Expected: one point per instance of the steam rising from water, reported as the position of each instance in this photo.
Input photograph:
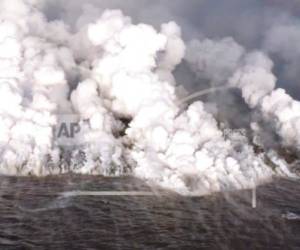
(117, 78)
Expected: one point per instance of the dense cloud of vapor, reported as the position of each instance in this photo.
(252, 23)
(117, 78)
(252, 74)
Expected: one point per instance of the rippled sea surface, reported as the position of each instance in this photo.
(34, 215)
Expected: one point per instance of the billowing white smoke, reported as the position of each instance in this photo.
(252, 74)
(117, 79)
(33, 87)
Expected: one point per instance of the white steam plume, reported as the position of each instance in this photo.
(116, 78)
(252, 74)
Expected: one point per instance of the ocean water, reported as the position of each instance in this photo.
(37, 213)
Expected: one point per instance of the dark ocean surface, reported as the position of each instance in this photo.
(34, 214)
